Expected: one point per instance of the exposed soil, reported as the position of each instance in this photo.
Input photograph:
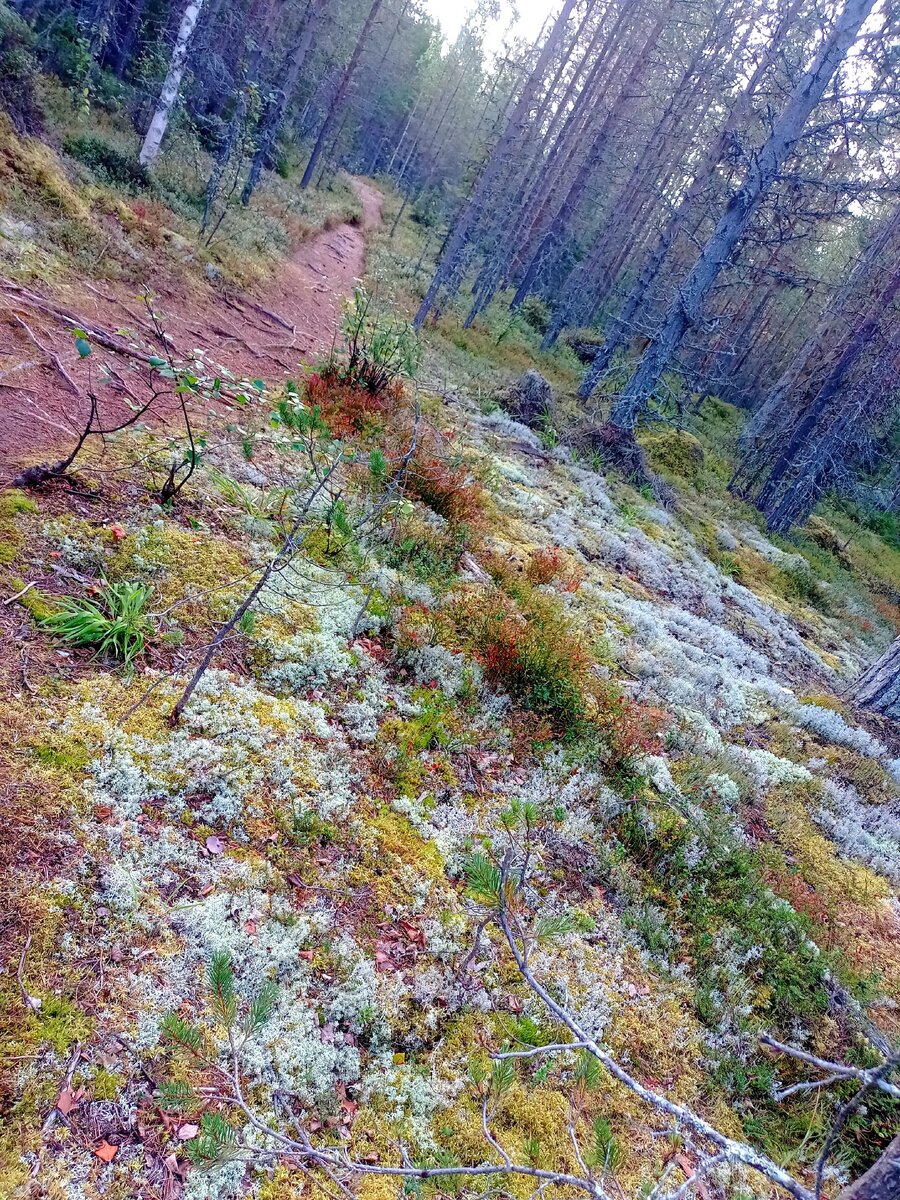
(262, 334)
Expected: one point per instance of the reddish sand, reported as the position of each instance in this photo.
(39, 408)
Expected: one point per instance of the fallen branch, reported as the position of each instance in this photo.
(51, 354)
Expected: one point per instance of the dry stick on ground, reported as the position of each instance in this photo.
(289, 547)
(276, 563)
(51, 354)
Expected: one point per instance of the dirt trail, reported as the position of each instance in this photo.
(265, 333)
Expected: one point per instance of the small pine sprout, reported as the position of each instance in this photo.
(587, 1073)
(532, 1148)
(555, 925)
(178, 1031)
(606, 1152)
(377, 466)
(485, 879)
(261, 1009)
(478, 1069)
(176, 1096)
(220, 978)
(503, 1076)
(214, 1143)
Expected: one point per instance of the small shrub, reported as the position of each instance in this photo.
(536, 313)
(19, 74)
(379, 351)
(554, 566)
(116, 625)
(446, 486)
(108, 163)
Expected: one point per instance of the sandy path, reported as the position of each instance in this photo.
(303, 303)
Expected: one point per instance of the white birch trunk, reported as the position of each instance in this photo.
(169, 94)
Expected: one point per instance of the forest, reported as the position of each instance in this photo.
(450, 600)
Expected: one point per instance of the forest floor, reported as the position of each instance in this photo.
(502, 649)
(291, 317)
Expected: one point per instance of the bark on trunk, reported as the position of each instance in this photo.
(879, 688)
(169, 94)
(337, 104)
(731, 227)
(515, 128)
(881, 1181)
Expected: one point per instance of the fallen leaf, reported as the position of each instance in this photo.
(206, 889)
(307, 954)
(118, 532)
(66, 1101)
(188, 1131)
(215, 845)
(106, 1152)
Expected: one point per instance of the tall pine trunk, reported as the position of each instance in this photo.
(764, 168)
(456, 243)
(337, 104)
(275, 115)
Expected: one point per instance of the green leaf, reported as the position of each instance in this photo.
(485, 879)
(155, 361)
(259, 385)
(83, 346)
(220, 978)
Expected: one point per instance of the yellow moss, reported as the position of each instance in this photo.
(836, 879)
(36, 168)
(12, 504)
(378, 1187)
(674, 452)
(397, 836)
(179, 562)
(823, 700)
(282, 1184)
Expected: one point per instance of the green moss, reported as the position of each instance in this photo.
(58, 1023)
(13, 504)
(105, 1084)
(69, 756)
(34, 601)
(674, 452)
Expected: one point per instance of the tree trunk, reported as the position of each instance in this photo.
(882, 1180)
(337, 103)
(685, 309)
(878, 688)
(594, 160)
(275, 115)
(515, 128)
(169, 94)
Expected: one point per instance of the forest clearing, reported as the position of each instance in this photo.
(449, 601)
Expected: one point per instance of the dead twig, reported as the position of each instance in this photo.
(20, 593)
(51, 354)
